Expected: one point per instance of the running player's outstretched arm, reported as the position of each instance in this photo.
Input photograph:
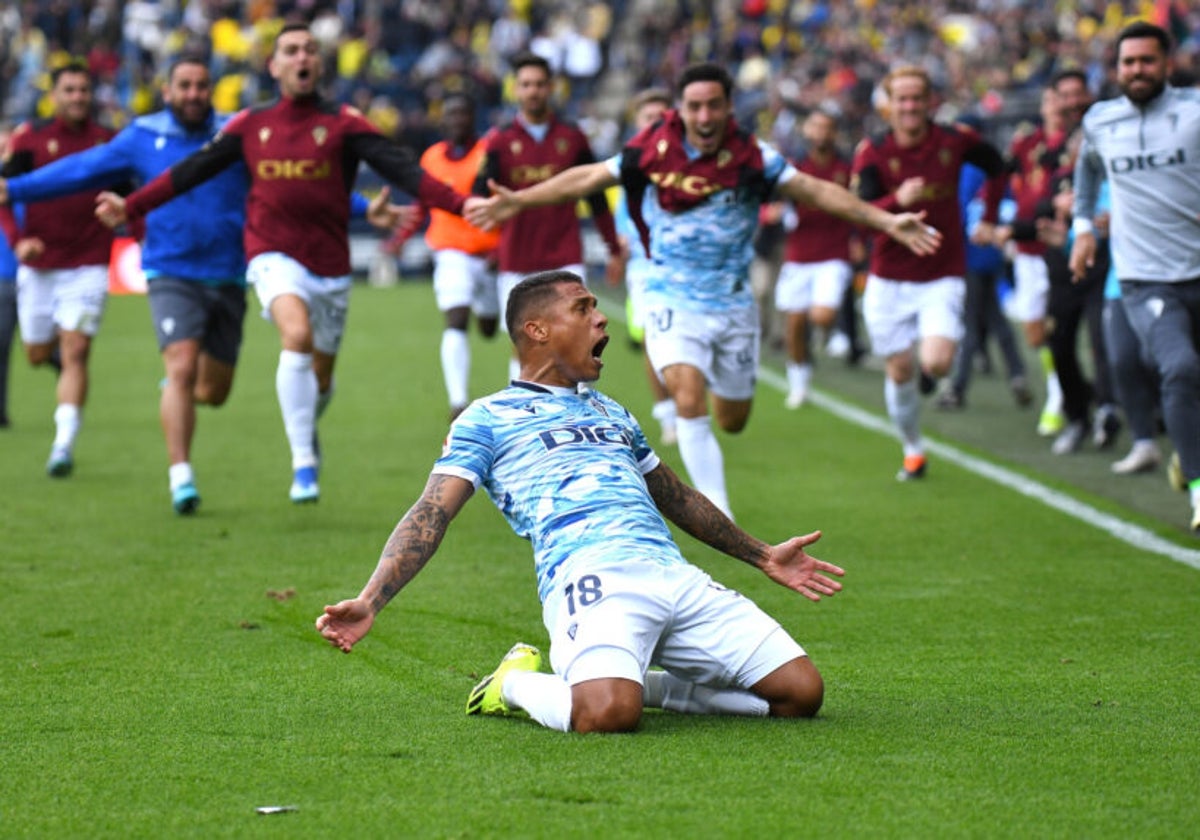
(908, 229)
(787, 563)
(413, 541)
(569, 185)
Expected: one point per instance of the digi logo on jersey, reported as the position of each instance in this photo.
(1137, 163)
(292, 170)
(602, 435)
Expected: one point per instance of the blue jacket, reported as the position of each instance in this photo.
(981, 259)
(197, 236)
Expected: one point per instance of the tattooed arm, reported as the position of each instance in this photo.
(408, 549)
(786, 563)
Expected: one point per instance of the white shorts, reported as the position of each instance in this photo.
(462, 279)
(899, 313)
(1031, 288)
(617, 621)
(506, 281)
(802, 286)
(724, 346)
(327, 298)
(68, 299)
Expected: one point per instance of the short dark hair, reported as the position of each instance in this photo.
(706, 71)
(73, 67)
(530, 59)
(531, 295)
(1142, 29)
(289, 27)
(1070, 73)
(185, 58)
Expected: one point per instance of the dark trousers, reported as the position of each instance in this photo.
(982, 318)
(1070, 304)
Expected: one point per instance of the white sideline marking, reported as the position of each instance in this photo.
(1134, 535)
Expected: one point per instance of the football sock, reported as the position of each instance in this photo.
(664, 413)
(799, 375)
(702, 457)
(904, 407)
(545, 697)
(66, 425)
(456, 365)
(180, 474)
(666, 691)
(1054, 395)
(296, 385)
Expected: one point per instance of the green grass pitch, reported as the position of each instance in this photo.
(993, 668)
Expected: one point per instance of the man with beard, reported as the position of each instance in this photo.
(62, 281)
(196, 273)
(1147, 143)
(302, 155)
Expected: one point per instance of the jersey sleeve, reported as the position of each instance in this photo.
(469, 448)
(213, 157)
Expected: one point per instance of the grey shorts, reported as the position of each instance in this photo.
(212, 315)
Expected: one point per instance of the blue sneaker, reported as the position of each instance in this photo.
(185, 499)
(304, 486)
(60, 463)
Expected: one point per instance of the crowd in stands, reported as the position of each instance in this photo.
(395, 61)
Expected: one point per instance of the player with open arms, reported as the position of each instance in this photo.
(917, 299)
(709, 178)
(572, 472)
(302, 154)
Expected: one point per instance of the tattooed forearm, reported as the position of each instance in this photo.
(696, 515)
(415, 539)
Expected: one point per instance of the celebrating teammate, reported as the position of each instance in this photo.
(709, 178)
(302, 154)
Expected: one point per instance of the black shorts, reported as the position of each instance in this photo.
(212, 315)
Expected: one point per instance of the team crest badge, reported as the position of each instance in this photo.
(319, 134)
(561, 146)
(661, 147)
(894, 165)
(264, 134)
(52, 147)
(723, 158)
(944, 157)
(516, 147)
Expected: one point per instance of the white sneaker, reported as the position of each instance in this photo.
(795, 399)
(1143, 457)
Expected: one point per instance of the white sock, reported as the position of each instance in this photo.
(664, 413)
(180, 474)
(702, 457)
(67, 419)
(514, 369)
(904, 407)
(296, 385)
(456, 365)
(666, 691)
(799, 375)
(546, 697)
(324, 398)
(1054, 394)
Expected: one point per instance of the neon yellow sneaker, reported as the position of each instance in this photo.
(485, 698)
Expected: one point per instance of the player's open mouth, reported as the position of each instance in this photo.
(598, 348)
(303, 75)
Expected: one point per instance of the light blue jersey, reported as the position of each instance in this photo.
(702, 255)
(565, 469)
